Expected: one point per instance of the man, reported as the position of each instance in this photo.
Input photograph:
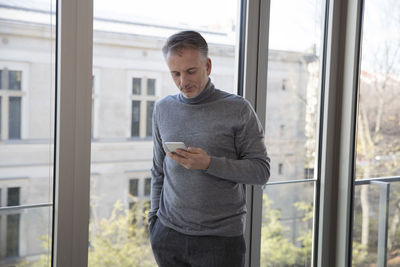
(198, 201)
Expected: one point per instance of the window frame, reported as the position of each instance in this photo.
(337, 126)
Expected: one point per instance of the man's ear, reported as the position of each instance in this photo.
(209, 66)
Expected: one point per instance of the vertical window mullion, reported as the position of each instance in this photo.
(338, 134)
(255, 84)
(73, 133)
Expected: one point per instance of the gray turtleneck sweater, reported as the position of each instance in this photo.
(212, 201)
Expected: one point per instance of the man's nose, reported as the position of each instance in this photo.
(183, 80)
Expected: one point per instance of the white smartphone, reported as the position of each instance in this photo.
(173, 146)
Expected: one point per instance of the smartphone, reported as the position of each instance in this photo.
(173, 146)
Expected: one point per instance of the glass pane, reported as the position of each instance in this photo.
(14, 120)
(293, 87)
(14, 80)
(291, 134)
(149, 114)
(133, 76)
(27, 242)
(147, 186)
(12, 243)
(287, 225)
(27, 80)
(134, 187)
(135, 118)
(1, 118)
(151, 86)
(378, 121)
(370, 225)
(13, 196)
(378, 136)
(136, 86)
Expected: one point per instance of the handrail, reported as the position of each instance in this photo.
(291, 182)
(20, 207)
(379, 179)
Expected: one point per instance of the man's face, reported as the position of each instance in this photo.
(189, 70)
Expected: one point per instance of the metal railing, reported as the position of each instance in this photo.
(8, 209)
(384, 198)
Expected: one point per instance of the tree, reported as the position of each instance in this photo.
(120, 240)
(277, 250)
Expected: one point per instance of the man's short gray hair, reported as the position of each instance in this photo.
(186, 39)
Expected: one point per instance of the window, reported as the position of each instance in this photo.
(147, 186)
(13, 221)
(127, 40)
(27, 101)
(134, 187)
(284, 84)
(292, 89)
(10, 235)
(143, 95)
(376, 209)
(282, 129)
(11, 95)
(280, 169)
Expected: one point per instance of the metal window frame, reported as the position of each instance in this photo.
(74, 96)
(255, 32)
(74, 51)
(338, 133)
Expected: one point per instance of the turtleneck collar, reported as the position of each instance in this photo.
(202, 97)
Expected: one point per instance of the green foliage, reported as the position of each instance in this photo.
(277, 250)
(121, 240)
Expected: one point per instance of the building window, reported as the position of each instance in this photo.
(11, 222)
(309, 173)
(135, 129)
(11, 94)
(282, 129)
(284, 84)
(143, 97)
(280, 168)
(147, 186)
(134, 187)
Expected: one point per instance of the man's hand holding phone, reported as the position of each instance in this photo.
(191, 158)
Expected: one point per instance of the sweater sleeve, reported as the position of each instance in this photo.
(157, 173)
(253, 164)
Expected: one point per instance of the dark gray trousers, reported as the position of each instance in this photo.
(173, 249)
